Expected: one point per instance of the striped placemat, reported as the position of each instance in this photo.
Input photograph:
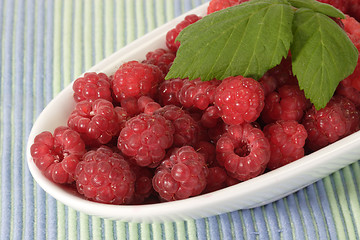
(44, 46)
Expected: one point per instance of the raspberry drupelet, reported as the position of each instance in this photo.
(173, 33)
(97, 122)
(186, 128)
(287, 140)
(239, 100)
(197, 93)
(168, 91)
(57, 155)
(162, 58)
(105, 176)
(146, 138)
(182, 175)
(135, 79)
(244, 151)
(336, 120)
(92, 86)
(286, 103)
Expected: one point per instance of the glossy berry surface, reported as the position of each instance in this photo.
(57, 154)
(92, 86)
(145, 138)
(135, 79)
(239, 100)
(244, 151)
(287, 140)
(98, 122)
(104, 176)
(182, 175)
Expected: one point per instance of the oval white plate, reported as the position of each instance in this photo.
(252, 193)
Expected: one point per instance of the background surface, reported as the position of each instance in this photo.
(44, 46)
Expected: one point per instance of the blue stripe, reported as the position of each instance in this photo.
(18, 123)
(292, 201)
(225, 226)
(272, 221)
(235, 217)
(7, 113)
(201, 228)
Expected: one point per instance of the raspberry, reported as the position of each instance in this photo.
(217, 5)
(287, 140)
(197, 93)
(186, 128)
(145, 138)
(239, 100)
(351, 113)
(352, 28)
(134, 79)
(287, 103)
(57, 155)
(97, 122)
(168, 91)
(92, 86)
(353, 8)
(182, 175)
(210, 117)
(216, 179)
(143, 183)
(349, 92)
(208, 150)
(173, 33)
(330, 123)
(161, 58)
(147, 105)
(105, 176)
(244, 151)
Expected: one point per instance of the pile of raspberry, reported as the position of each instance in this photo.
(135, 138)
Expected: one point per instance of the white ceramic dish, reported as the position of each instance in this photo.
(255, 192)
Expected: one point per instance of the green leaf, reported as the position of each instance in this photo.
(318, 7)
(322, 55)
(247, 40)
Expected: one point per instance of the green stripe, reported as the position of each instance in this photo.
(67, 42)
(161, 14)
(72, 224)
(180, 230)
(61, 220)
(78, 39)
(191, 229)
(97, 35)
(169, 230)
(156, 231)
(96, 227)
(109, 229)
(57, 48)
(120, 24)
(322, 210)
(84, 226)
(352, 195)
(344, 205)
(133, 231)
(120, 230)
(145, 231)
(130, 24)
(265, 219)
(140, 20)
(150, 15)
(334, 208)
(109, 28)
(88, 15)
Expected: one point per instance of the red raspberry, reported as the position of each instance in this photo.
(182, 175)
(287, 140)
(216, 179)
(239, 100)
(210, 117)
(134, 79)
(287, 103)
(92, 86)
(105, 176)
(349, 92)
(97, 122)
(186, 128)
(145, 138)
(217, 5)
(143, 183)
(57, 155)
(330, 123)
(161, 58)
(244, 151)
(168, 91)
(197, 93)
(173, 33)
(352, 28)
(353, 8)
(351, 113)
(147, 105)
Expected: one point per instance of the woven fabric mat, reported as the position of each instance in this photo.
(47, 44)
